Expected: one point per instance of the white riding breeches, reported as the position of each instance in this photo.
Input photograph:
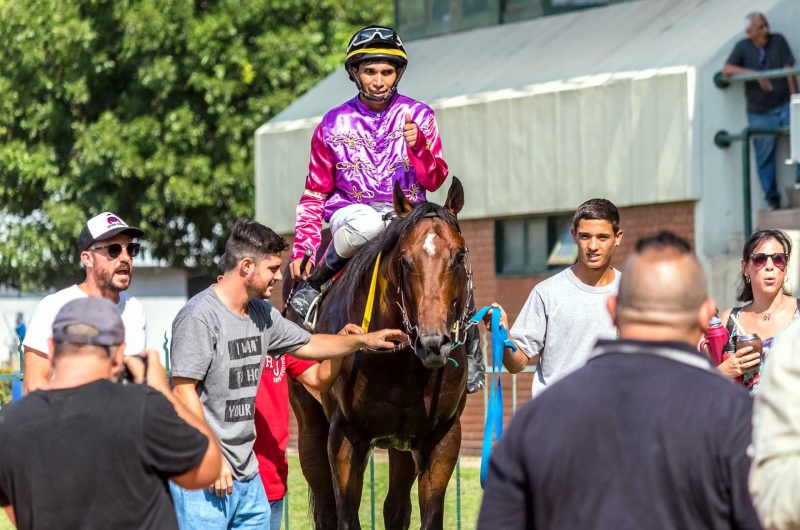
(354, 225)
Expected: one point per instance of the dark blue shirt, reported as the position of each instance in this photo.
(632, 440)
(776, 54)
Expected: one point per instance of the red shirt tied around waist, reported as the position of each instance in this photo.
(272, 422)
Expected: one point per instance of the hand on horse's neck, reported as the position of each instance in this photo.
(594, 277)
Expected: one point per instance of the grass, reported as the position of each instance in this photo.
(298, 498)
(471, 494)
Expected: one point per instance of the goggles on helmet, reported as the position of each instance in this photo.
(368, 34)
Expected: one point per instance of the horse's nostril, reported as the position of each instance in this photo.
(432, 341)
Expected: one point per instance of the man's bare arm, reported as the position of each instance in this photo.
(185, 391)
(732, 69)
(37, 369)
(322, 376)
(515, 361)
(322, 347)
(10, 513)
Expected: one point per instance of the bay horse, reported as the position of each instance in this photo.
(408, 401)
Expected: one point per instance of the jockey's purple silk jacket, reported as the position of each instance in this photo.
(356, 157)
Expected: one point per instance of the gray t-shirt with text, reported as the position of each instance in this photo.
(561, 321)
(225, 352)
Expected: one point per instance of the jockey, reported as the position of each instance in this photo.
(358, 151)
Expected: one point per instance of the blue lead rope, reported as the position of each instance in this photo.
(493, 429)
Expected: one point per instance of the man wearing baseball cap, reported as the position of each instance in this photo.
(87, 452)
(107, 251)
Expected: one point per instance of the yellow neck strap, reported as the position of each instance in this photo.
(371, 295)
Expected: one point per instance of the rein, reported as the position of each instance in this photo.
(493, 429)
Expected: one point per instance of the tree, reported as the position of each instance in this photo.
(147, 108)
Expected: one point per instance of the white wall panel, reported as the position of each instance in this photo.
(619, 159)
(644, 147)
(673, 137)
(594, 142)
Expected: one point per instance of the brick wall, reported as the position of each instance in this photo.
(512, 292)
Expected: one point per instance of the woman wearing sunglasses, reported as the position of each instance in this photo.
(770, 309)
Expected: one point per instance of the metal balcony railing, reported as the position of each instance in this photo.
(724, 81)
(723, 139)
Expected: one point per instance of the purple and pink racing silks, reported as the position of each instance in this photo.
(356, 157)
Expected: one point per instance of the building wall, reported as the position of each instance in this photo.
(512, 292)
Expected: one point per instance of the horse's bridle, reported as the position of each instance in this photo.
(460, 326)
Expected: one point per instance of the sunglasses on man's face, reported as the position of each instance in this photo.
(115, 250)
(779, 259)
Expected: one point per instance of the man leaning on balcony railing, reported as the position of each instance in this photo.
(767, 99)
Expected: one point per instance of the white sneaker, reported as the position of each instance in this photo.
(797, 185)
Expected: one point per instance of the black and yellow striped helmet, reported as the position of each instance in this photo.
(375, 42)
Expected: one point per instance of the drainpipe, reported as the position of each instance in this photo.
(723, 139)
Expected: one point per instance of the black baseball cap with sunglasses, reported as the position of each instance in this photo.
(103, 227)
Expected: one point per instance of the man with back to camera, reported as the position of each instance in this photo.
(767, 99)
(219, 343)
(565, 314)
(86, 452)
(107, 251)
(648, 434)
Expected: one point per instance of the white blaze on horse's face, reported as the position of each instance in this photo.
(428, 246)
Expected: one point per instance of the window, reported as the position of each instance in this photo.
(416, 19)
(534, 245)
(422, 18)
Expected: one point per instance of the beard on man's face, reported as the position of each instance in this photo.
(258, 287)
(115, 280)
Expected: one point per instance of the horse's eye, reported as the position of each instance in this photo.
(460, 258)
(406, 263)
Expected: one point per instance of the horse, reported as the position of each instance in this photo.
(408, 401)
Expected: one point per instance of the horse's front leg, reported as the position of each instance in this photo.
(348, 454)
(438, 466)
(397, 506)
(312, 443)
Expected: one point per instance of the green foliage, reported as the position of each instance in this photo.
(147, 108)
(5, 388)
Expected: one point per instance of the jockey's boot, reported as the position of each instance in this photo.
(476, 369)
(322, 273)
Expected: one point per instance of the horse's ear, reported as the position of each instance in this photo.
(401, 204)
(455, 197)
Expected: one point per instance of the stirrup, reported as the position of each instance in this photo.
(310, 320)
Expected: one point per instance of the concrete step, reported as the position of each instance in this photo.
(793, 196)
(785, 219)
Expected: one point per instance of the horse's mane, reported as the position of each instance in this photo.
(364, 261)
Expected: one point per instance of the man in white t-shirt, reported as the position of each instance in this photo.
(107, 251)
(566, 314)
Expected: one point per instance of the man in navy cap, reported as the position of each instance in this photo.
(84, 451)
(107, 251)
